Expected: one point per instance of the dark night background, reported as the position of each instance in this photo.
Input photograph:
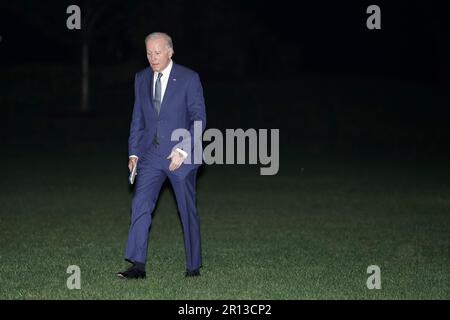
(364, 119)
(312, 69)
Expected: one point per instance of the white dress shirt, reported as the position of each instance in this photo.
(164, 79)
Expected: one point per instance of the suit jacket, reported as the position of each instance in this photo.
(182, 104)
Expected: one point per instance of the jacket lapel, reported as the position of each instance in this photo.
(170, 89)
(148, 89)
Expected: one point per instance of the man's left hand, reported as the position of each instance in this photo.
(177, 160)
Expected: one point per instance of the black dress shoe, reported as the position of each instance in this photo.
(192, 273)
(132, 273)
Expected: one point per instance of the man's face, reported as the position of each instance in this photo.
(158, 54)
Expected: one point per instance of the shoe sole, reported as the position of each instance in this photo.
(121, 276)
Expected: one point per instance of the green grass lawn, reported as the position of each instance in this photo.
(302, 234)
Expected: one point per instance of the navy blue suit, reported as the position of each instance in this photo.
(182, 104)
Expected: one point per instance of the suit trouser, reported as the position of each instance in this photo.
(152, 172)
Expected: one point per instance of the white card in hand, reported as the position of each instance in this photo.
(132, 174)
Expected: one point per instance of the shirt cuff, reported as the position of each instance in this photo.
(133, 156)
(183, 153)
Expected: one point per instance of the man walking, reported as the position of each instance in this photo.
(168, 96)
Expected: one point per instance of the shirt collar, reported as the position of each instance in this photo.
(165, 72)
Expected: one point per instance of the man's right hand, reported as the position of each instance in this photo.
(132, 162)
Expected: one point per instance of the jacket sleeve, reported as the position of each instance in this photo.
(197, 115)
(137, 126)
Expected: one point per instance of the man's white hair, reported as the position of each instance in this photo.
(155, 35)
